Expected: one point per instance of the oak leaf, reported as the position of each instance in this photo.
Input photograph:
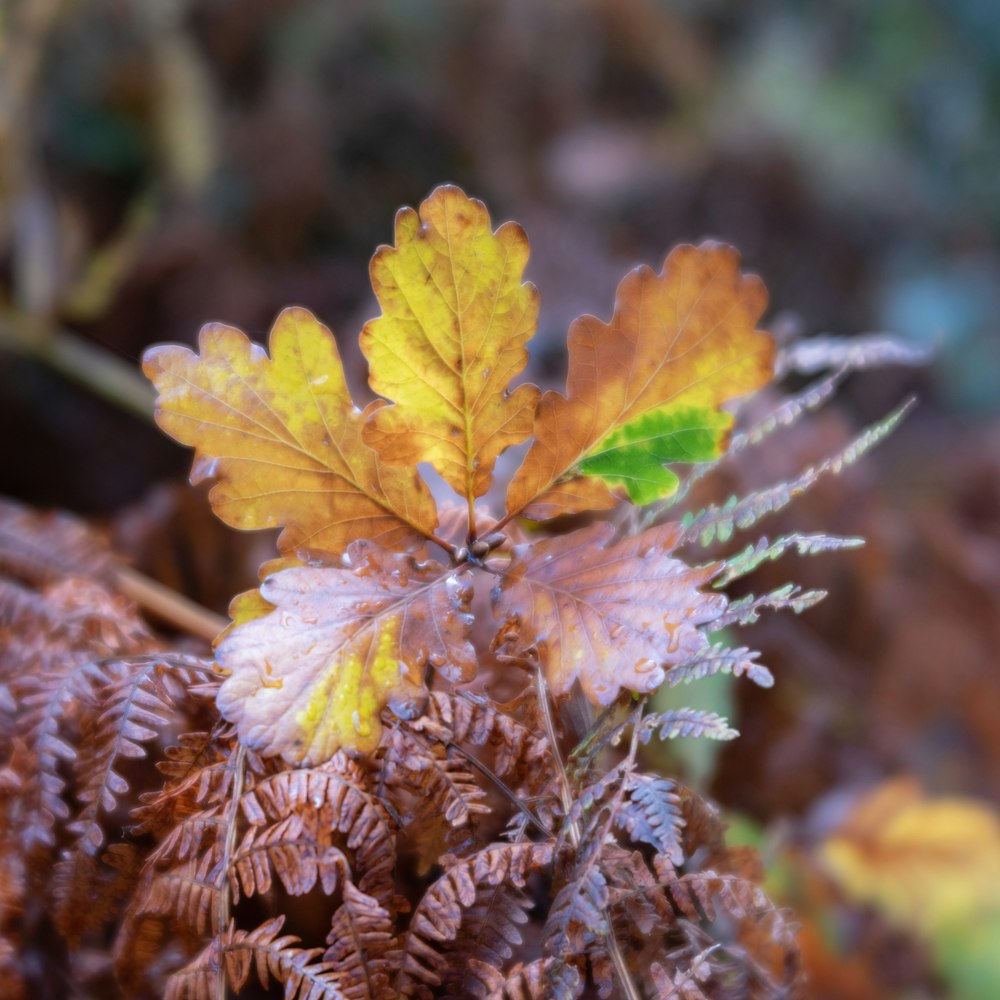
(455, 320)
(343, 642)
(284, 439)
(646, 389)
(609, 615)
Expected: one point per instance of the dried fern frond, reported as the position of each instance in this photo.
(363, 947)
(521, 754)
(198, 775)
(577, 917)
(719, 658)
(685, 722)
(683, 984)
(291, 851)
(465, 927)
(872, 350)
(548, 978)
(651, 814)
(719, 522)
(430, 787)
(762, 551)
(41, 548)
(138, 699)
(747, 610)
(261, 951)
(332, 800)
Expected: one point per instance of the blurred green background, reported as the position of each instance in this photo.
(163, 164)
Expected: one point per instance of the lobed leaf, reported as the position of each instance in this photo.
(284, 439)
(646, 389)
(610, 616)
(455, 320)
(343, 642)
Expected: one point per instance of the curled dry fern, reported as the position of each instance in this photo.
(344, 807)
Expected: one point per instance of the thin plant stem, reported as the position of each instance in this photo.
(225, 900)
(95, 368)
(566, 797)
(502, 787)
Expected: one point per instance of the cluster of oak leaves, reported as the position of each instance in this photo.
(353, 740)
(353, 614)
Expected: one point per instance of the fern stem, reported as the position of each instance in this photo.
(166, 604)
(225, 897)
(566, 798)
(502, 786)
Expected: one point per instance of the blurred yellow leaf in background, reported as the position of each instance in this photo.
(928, 863)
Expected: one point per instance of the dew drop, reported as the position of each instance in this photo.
(326, 442)
(645, 666)
(615, 630)
(319, 380)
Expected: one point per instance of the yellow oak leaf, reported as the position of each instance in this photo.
(646, 389)
(609, 615)
(339, 644)
(929, 863)
(455, 320)
(284, 439)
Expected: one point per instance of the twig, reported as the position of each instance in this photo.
(168, 605)
(93, 367)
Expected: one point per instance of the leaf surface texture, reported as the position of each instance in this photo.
(342, 643)
(284, 439)
(646, 389)
(455, 320)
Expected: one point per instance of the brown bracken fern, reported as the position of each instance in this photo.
(413, 767)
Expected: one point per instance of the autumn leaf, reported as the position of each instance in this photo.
(609, 615)
(284, 439)
(340, 644)
(929, 863)
(455, 320)
(646, 390)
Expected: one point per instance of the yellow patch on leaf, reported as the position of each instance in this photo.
(929, 863)
(455, 320)
(341, 643)
(680, 344)
(284, 439)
